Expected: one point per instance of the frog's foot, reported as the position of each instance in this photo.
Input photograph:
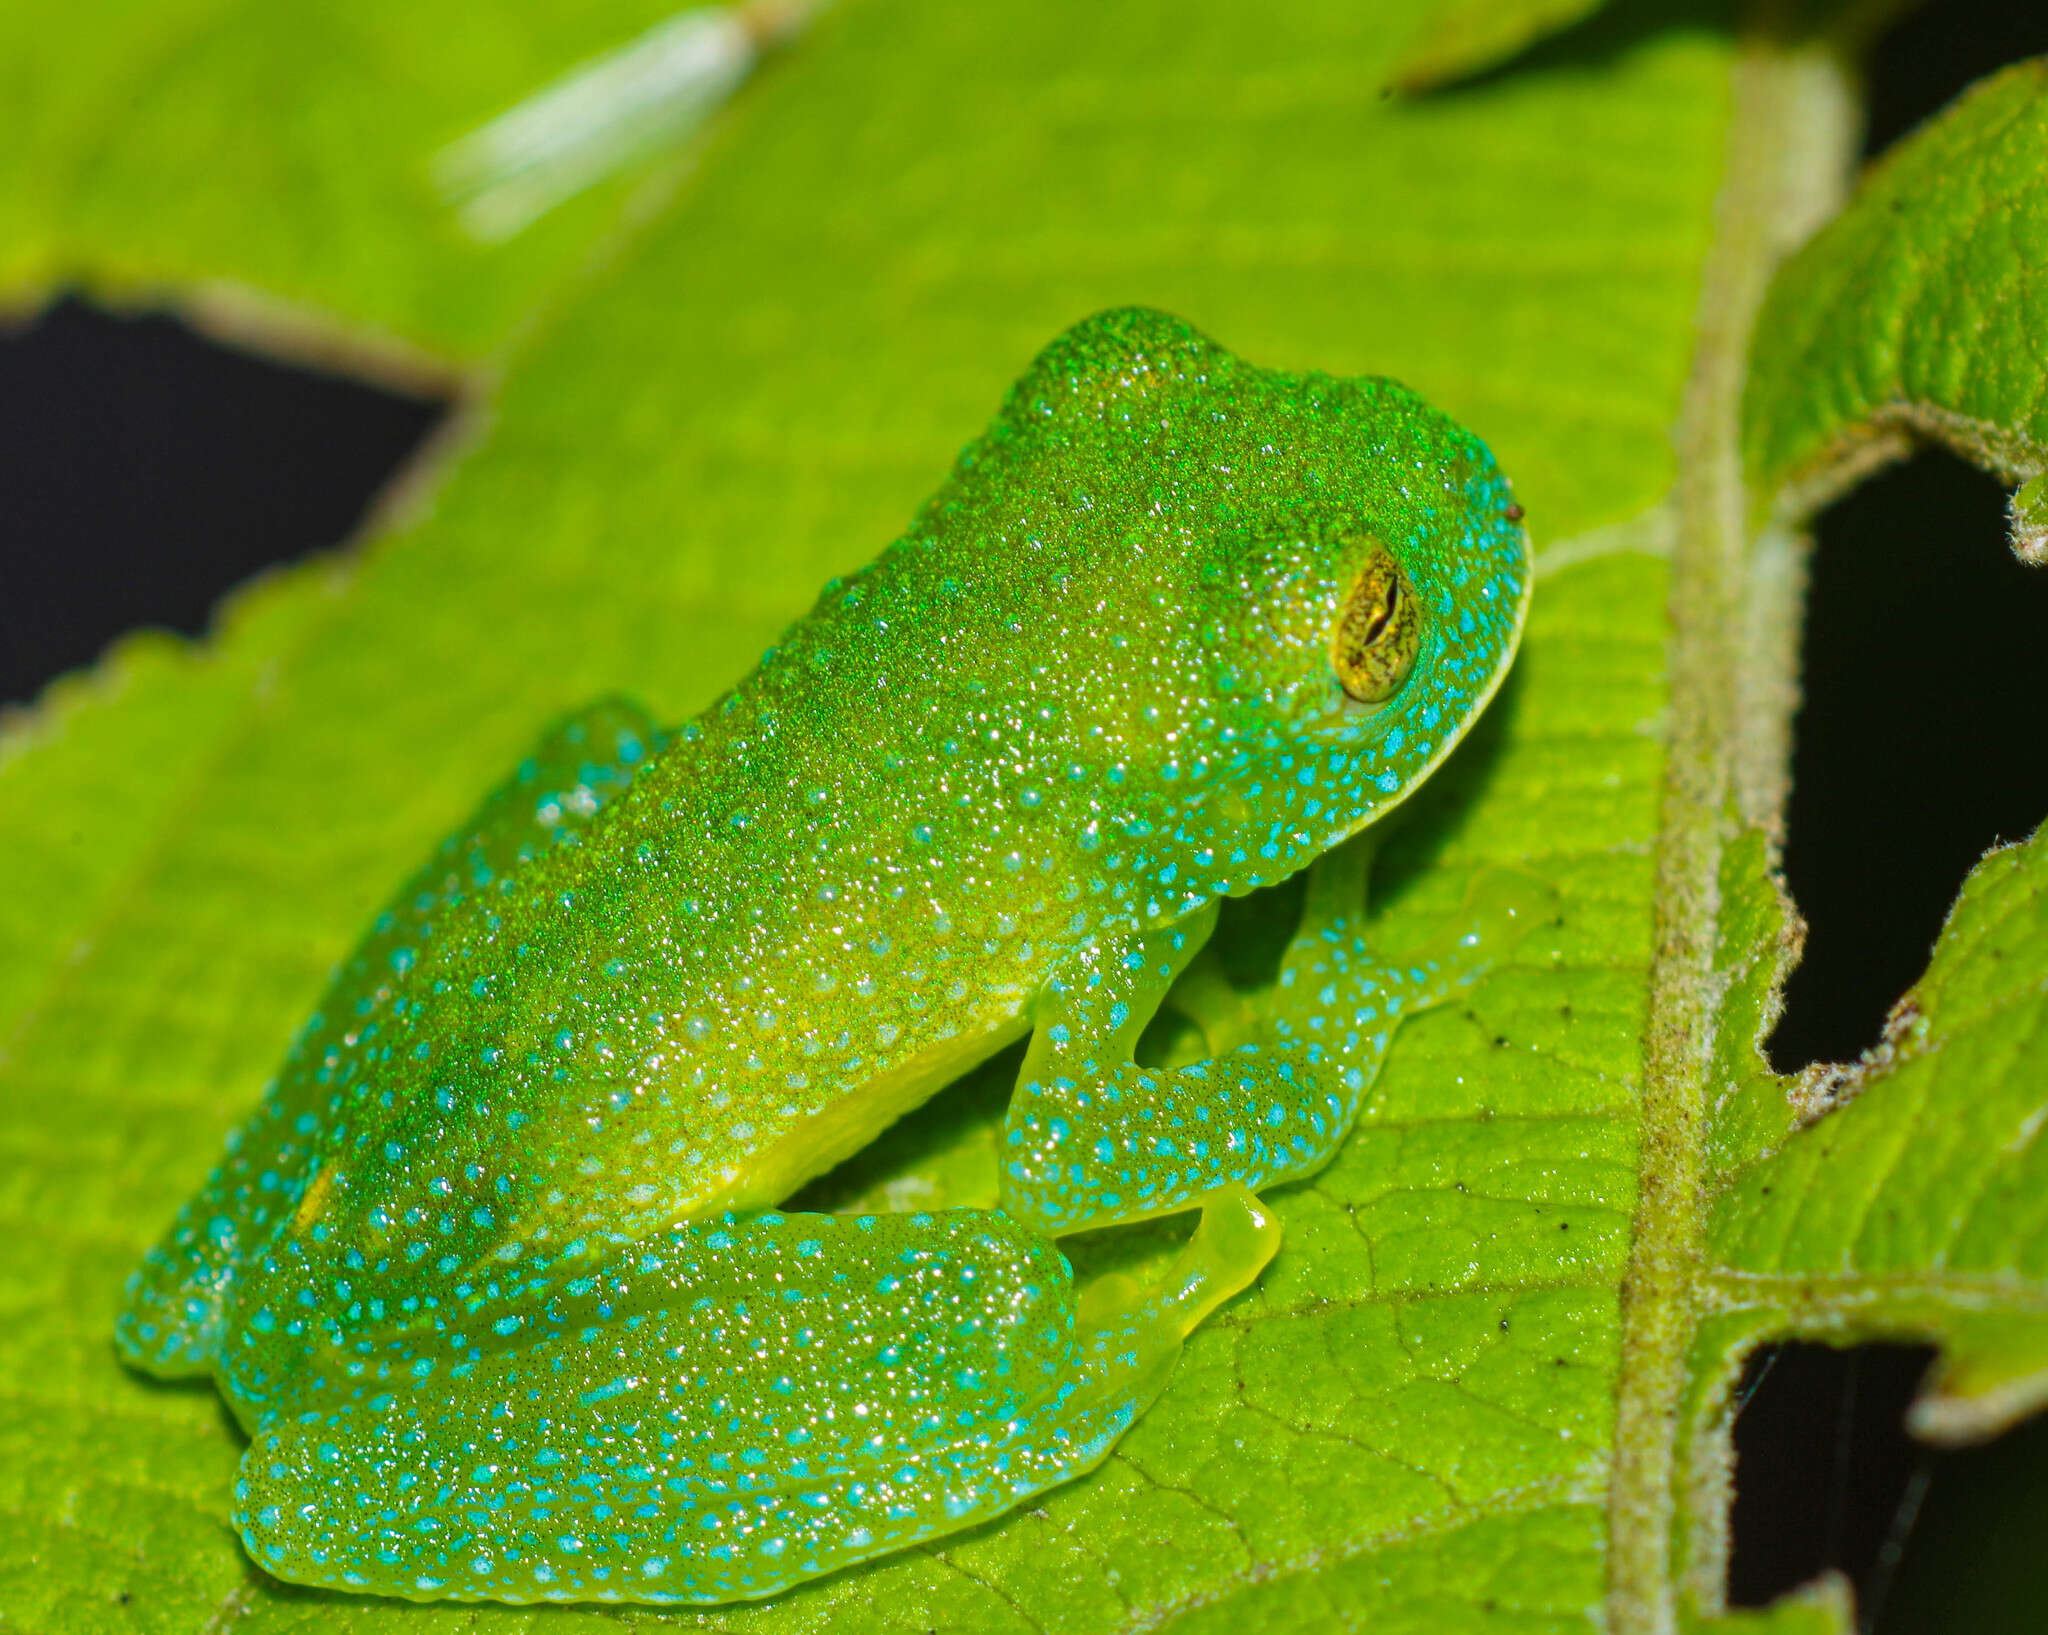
(719, 1412)
(1335, 992)
(171, 1315)
(1093, 1139)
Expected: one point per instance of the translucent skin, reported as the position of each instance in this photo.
(488, 1276)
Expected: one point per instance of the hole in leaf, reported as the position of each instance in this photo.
(1934, 52)
(1822, 1461)
(1933, 1540)
(1918, 742)
(1974, 1560)
(149, 470)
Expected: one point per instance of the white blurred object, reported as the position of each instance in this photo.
(650, 93)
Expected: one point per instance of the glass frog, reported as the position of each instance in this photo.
(495, 1276)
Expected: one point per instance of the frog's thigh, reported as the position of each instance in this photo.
(716, 1413)
(170, 1320)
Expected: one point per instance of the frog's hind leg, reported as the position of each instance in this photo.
(722, 1411)
(1093, 1139)
(172, 1311)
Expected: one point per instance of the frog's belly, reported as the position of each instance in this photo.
(836, 1132)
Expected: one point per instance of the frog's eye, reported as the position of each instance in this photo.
(1378, 631)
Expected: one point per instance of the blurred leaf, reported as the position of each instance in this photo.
(217, 150)
(1820, 1609)
(1466, 36)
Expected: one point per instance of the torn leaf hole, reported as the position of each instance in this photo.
(1925, 677)
(1931, 1540)
(150, 470)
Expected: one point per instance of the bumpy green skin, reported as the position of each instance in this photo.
(493, 1276)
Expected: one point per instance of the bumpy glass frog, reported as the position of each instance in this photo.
(495, 1276)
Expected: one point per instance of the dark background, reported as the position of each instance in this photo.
(150, 470)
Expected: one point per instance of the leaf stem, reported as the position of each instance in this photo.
(1788, 125)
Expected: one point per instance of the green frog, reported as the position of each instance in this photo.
(497, 1278)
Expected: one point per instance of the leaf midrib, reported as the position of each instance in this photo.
(1788, 106)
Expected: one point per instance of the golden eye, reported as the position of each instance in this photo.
(1378, 631)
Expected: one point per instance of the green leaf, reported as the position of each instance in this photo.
(1912, 315)
(1907, 1205)
(1485, 1385)
(272, 163)
(1916, 1203)
(1466, 36)
(1821, 1608)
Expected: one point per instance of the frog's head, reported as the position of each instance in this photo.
(1325, 577)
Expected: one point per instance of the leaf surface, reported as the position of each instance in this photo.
(1915, 313)
(272, 164)
(1910, 1203)
(697, 410)
(1919, 1207)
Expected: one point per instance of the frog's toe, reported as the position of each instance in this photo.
(1235, 1238)
(1503, 906)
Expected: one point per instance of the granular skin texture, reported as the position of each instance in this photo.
(494, 1275)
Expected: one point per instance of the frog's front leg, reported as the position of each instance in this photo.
(719, 1411)
(1094, 1139)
